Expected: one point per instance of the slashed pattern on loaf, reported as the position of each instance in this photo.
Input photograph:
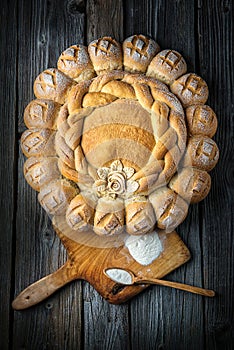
(119, 137)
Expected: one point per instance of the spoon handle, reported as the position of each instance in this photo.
(182, 286)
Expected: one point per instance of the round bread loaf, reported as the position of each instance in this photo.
(140, 218)
(56, 196)
(41, 114)
(126, 150)
(191, 184)
(138, 53)
(40, 171)
(105, 54)
(80, 212)
(201, 120)
(168, 65)
(109, 217)
(202, 153)
(52, 84)
(170, 209)
(190, 89)
(38, 142)
(76, 64)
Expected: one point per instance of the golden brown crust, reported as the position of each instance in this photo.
(167, 66)
(105, 54)
(140, 218)
(202, 153)
(109, 217)
(148, 177)
(99, 82)
(142, 79)
(201, 120)
(39, 171)
(38, 143)
(76, 96)
(119, 89)
(53, 85)
(64, 152)
(41, 114)
(191, 184)
(73, 175)
(76, 64)
(138, 53)
(56, 196)
(80, 212)
(170, 209)
(119, 129)
(62, 124)
(97, 99)
(190, 89)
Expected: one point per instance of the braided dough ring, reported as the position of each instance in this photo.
(119, 137)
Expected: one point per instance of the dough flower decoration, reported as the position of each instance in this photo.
(115, 181)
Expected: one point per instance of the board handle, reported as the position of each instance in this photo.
(46, 286)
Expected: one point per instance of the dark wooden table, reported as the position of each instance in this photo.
(33, 34)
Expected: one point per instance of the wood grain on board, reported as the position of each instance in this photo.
(90, 255)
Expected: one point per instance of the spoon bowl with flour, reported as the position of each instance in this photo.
(127, 277)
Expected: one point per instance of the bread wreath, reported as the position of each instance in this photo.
(156, 195)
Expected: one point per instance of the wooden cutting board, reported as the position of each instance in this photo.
(89, 255)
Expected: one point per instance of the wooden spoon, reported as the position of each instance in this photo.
(126, 277)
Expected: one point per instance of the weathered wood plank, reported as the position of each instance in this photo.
(104, 18)
(215, 28)
(165, 318)
(139, 17)
(45, 30)
(8, 160)
(160, 317)
(105, 326)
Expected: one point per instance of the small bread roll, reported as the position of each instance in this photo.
(191, 184)
(190, 89)
(138, 53)
(201, 120)
(38, 142)
(41, 114)
(170, 209)
(80, 212)
(167, 66)
(39, 171)
(75, 63)
(202, 153)
(105, 54)
(56, 196)
(53, 85)
(140, 217)
(109, 217)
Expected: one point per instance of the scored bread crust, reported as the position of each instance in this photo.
(128, 147)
